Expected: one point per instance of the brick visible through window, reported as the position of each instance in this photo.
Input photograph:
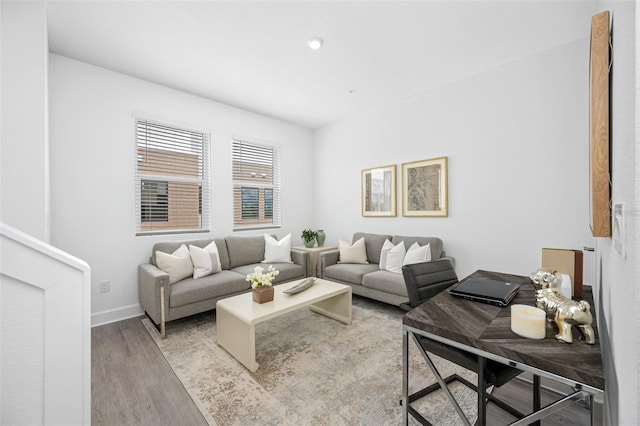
(172, 179)
(256, 185)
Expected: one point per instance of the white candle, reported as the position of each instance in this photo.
(528, 321)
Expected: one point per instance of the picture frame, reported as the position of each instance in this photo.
(424, 188)
(378, 189)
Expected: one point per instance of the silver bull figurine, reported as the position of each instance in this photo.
(565, 312)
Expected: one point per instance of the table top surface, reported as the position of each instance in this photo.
(487, 328)
(316, 248)
(243, 306)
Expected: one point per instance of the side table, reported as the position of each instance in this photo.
(314, 255)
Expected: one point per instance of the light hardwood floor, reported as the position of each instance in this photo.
(132, 384)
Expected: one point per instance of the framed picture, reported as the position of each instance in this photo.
(424, 187)
(379, 191)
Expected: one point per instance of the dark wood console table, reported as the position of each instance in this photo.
(485, 330)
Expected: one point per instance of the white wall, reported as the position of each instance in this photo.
(24, 171)
(92, 171)
(618, 284)
(517, 141)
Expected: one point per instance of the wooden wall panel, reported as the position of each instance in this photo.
(599, 126)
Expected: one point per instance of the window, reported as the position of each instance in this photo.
(250, 203)
(268, 203)
(172, 179)
(256, 185)
(154, 205)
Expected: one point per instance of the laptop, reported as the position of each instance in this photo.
(486, 291)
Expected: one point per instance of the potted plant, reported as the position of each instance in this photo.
(261, 283)
(309, 237)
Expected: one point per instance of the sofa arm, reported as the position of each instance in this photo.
(301, 258)
(328, 258)
(152, 282)
(449, 258)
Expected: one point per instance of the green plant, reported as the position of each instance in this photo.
(309, 235)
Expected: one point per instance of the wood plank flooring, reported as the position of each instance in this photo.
(132, 384)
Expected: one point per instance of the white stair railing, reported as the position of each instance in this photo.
(45, 321)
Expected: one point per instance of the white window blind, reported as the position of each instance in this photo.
(256, 185)
(172, 179)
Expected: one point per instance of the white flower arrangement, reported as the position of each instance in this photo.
(259, 279)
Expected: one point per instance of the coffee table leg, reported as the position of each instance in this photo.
(237, 337)
(337, 307)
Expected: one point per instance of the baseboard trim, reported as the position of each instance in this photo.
(113, 315)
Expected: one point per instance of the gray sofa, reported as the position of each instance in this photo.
(239, 255)
(368, 279)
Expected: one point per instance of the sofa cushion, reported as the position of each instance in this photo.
(352, 253)
(245, 250)
(434, 242)
(287, 271)
(373, 244)
(277, 251)
(349, 272)
(217, 285)
(171, 246)
(386, 281)
(417, 254)
(206, 261)
(388, 245)
(177, 264)
(395, 258)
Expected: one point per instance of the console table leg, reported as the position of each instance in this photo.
(405, 378)
(441, 381)
(482, 392)
(536, 397)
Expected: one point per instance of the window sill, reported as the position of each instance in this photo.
(172, 232)
(254, 227)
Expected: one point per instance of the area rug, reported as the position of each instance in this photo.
(313, 371)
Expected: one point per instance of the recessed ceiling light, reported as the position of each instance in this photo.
(315, 43)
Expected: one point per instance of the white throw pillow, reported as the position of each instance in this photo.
(395, 257)
(206, 261)
(356, 253)
(277, 251)
(417, 254)
(178, 264)
(388, 245)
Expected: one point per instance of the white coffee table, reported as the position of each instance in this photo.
(237, 316)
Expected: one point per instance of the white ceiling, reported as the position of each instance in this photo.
(253, 55)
